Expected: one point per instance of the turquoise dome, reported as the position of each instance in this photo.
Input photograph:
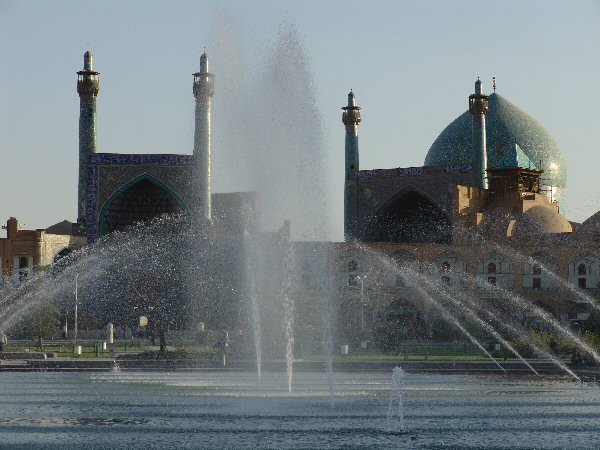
(506, 125)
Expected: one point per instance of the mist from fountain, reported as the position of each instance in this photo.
(146, 248)
(268, 139)
(268, 134)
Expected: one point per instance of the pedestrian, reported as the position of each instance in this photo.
(3, 343)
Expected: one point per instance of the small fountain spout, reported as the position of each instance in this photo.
(395, 414)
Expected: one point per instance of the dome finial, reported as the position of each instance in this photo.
(494, 83)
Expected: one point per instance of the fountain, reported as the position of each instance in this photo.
(395, 414)
(290, 288)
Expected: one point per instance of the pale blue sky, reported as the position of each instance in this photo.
(411, 64)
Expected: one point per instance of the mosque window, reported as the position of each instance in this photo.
(537, 283)
(491, 268)
(581, 269)
(492, 281)
(582, 283)
(537, 270)
(23, 262)
(445, 267)
(352, 266)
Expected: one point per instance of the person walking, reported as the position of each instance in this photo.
(3, 344)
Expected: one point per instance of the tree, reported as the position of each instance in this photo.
(42, 321)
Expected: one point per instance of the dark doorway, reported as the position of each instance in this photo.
(410, 218)
(142, 201)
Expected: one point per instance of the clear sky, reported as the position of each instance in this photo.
(412, 65)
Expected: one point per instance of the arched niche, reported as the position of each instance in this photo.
(449, 270)
(410, 217)
(402, 269)
(140, 200)
(584, 271)
(496, 269)
(356, 270)
(538, 272)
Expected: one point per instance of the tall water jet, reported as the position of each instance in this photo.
(252, 294)
(287, 297)
(328, 321)
(273, 130)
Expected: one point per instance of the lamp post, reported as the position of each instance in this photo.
(76, 301)
(362, 301)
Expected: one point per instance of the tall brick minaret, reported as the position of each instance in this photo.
(351, 118)
(88, 85)
(203, 92)
(478, 105)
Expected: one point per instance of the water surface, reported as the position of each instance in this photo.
(223, 409)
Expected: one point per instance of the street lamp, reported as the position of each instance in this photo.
(76, 301)
(362, 279)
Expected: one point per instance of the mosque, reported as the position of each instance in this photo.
(485, 205)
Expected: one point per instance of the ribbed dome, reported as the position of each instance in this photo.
(539, 220)
(506, 125)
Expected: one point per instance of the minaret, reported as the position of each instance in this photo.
(88, 85)
(351, 118)
(203, 91)
(478, 106)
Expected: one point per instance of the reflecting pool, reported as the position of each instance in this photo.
(228, 409)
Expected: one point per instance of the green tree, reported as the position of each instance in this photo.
(42, 321)
(593, 324)
(591, 330)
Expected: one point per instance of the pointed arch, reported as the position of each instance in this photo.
(410, 216)
(449, 269)
(537, 272)
(142, 198)
(496, 269)
(404, 267)
(584, 271)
